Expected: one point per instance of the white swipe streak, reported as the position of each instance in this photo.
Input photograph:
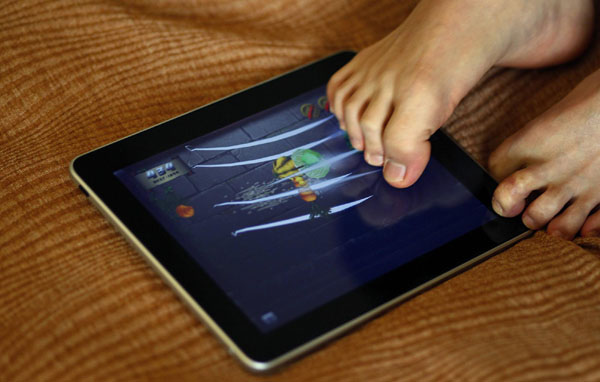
(286, 194)
(272, 157)
(276, 138)
(321, 164)
(313, 187)
(299, 219)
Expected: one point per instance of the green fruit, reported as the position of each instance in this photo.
(308, 157)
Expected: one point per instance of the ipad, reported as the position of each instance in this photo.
(261, 216)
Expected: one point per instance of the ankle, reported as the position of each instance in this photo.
(549, 32)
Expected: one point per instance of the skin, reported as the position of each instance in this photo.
(557, 154)
(397, 92)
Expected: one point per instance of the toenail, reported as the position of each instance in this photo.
(394, 171)
(375, 159)
(497, 207)
(558, 234)
(529, 222)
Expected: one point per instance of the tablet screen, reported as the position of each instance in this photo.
(285, 216)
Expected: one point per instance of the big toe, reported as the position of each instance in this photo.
(503, 160)
(403, 167)
(510, 196)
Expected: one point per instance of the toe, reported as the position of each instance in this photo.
(406, 148)
(340, 97)
(546, 206)
(591, 227)
(371, 124)
(509, 197)
(568, 223)
(356, 138)
(353, 108)
(336, 81)
(503, 162)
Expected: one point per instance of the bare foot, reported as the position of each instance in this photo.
(396, 93)
(557, 154)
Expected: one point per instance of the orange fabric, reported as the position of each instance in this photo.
(77, 303)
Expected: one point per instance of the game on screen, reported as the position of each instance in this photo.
(285, 215)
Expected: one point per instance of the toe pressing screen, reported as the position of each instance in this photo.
(285, 215)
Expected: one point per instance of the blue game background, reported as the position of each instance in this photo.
(275, 275)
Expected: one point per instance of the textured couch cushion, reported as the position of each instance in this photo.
(76, 302)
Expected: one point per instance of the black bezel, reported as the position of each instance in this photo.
(96, 170)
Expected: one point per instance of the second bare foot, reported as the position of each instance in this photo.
(558, 156)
